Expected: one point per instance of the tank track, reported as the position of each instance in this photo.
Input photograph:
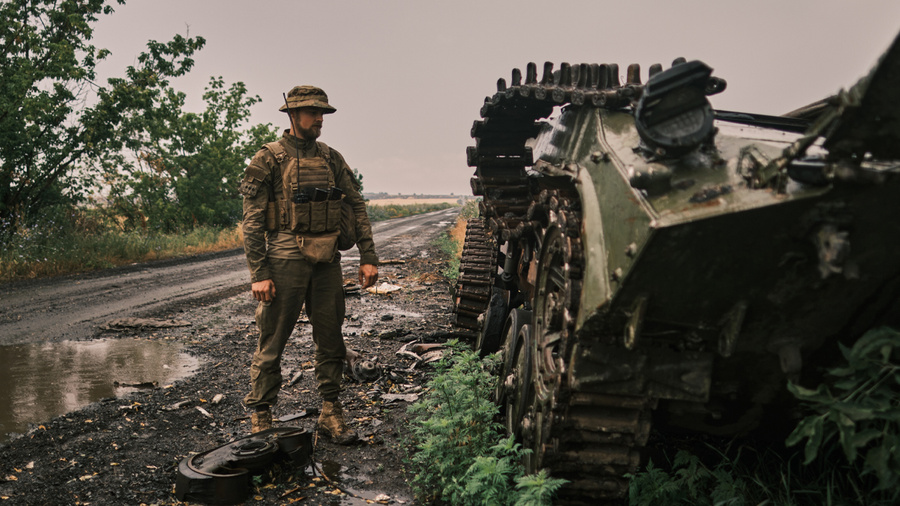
(477, 268)
(592, 440)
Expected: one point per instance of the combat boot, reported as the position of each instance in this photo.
(331, 423)
(260, 421)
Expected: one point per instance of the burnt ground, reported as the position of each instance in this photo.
(126, 450)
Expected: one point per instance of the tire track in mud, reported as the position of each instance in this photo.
(74, 307)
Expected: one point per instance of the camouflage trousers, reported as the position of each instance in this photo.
(320, 286)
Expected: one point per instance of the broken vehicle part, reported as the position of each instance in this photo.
(223, 475)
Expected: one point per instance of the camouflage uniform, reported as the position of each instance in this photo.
(275, 255)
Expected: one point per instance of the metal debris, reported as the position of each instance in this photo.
(384, 289)
(299, 414)
(178, 405)
(400, 397)
(295, 378)
(422, 352)
(362, 369)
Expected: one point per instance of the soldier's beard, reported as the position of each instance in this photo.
(310, 133)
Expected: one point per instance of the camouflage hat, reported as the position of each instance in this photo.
(307, 96)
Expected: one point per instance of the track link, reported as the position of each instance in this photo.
(477, 268)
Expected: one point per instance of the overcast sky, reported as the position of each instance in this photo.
(409, 76)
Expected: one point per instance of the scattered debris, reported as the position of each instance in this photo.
(392, 261)
(400, 397)
(351, 288)
(299, 414)
(424, 347)
(178, 405)
(295, 378)
(143, 323)
(133, 441)
(384, 289)
(362, 369)
(430, 352)
(432, 356)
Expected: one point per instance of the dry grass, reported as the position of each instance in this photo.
(458, 234)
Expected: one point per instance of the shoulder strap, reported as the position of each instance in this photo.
(277, 150)
(280, 154)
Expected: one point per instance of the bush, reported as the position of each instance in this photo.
(856, 413)
(689, 482)
(70, 239)
(456, 448)
(860, 409)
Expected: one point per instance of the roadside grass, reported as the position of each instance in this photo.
(386, 212)
(451, 241)
(69, 241)
(37, 254)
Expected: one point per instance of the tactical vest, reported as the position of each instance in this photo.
(307, 201)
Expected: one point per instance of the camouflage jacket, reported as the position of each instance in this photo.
(262, 180)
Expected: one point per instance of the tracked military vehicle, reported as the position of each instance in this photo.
(642, 258)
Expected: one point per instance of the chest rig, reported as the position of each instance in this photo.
(306, 201)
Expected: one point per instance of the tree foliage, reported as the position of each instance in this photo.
(53, 115)
(186, 167)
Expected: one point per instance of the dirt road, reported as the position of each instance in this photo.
(74, 307)
(127, 450)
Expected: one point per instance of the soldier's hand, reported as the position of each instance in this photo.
(368, 275)
(263, 291)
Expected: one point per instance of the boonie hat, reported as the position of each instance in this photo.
(307, 96)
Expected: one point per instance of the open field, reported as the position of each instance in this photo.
(408, 201)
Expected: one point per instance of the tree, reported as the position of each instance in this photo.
(186, 167)
(357, 175)
(53, 116)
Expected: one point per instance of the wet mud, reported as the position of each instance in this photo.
(125, 449)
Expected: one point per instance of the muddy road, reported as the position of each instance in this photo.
(73, 307)
(125, 448)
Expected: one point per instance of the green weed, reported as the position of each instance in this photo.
(456, 451)
(856, 413)
(451, 249)
(387, 212)
(74, 240)
(859, 408)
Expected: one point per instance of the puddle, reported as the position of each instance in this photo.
(41, 381)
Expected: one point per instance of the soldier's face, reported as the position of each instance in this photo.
(308, 122)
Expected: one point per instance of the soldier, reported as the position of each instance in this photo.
(294, 190)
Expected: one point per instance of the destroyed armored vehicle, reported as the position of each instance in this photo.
(642, 259)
